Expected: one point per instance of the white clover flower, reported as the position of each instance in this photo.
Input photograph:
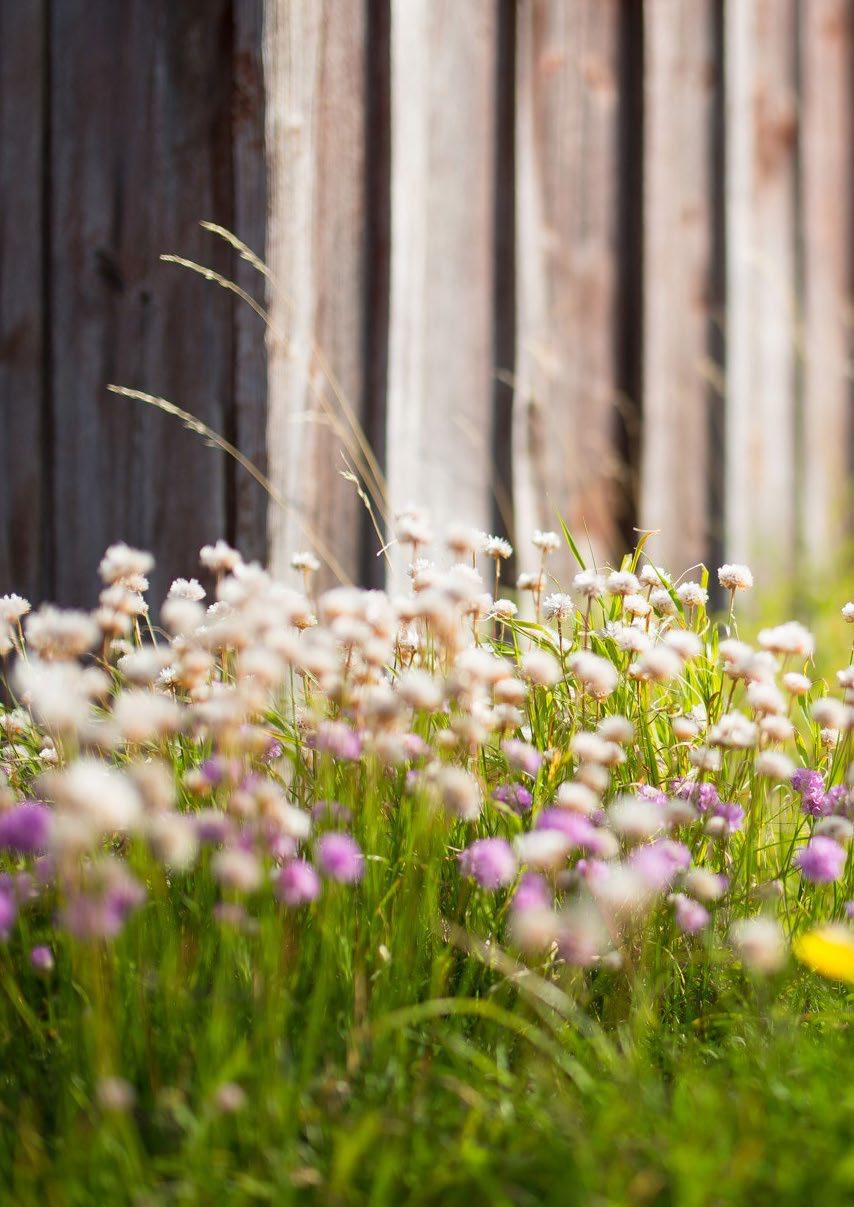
(848, 613)
(616, 728)
(546, 849)
(636, 605)
(622, 582)
(775, 765)
(659, 665)
(765, 698)
(577, 798)
(735, 577)
(599, 676)
(653, 576)
(635, 818)
(703, 884)
(531, 582)
(60, 634)
(504, 609)
(419, 690)
(495, 546)
(459, 791)
(121, 562)
(462, 540)
(685, 728)
(13, 608)
(760, 944)
(305, 561)
(776, 728)
(662, 601)
(692, 595)
(187, 588)
(795, 684)
(629, 638)
(789, 638)
(546, 542)
(590, 748)
(589, 585)
(705, 759)
(734, 731)
(540, 668)
(220, 558)
(412, 526)
(102, 799)
(558, 606)
(237, 869)
(684, 643)
(829, 713)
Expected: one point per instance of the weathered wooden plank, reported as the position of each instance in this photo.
(315, 71)
(440, 388)
(250, 224)
(567, 229)
(761, 282)
(22, 360)
(141, 150)
(827, 97)
(679, 113)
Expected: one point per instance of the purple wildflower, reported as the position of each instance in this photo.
(522, 755)
(578, 828)
(331, 810)
(849, 909)
(533, 893)
(703, 795)
(821, 860)
(415, 746)
(691, 916)
(833, 799)
(810, 785)
(41, 959)
(8, 910)
(647, 792)
(25, 827)
(732, 815)
(274, 751)
(298, 883)
(212, 771)
(489, 861)
(517, 796)
(658, 863)
(337, 739)
(340, 857)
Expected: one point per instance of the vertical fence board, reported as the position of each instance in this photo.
(762, 283)
(828, 259)
(564, 455)
(440, 389)
(679, 123)
(22, 66)
(250, 224)
(122, 471)
(315, 71)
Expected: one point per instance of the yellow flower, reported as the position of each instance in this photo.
(829, 950)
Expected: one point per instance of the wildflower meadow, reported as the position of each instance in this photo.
(461, 892)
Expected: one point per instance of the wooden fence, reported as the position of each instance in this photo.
(526, 256)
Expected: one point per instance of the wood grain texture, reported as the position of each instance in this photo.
(564, 455)
(22, 317)
(249, 502)
(761, 283)
(679, 110)
(315, 71)
(441, 365)
(827, 100)
(162, 71)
